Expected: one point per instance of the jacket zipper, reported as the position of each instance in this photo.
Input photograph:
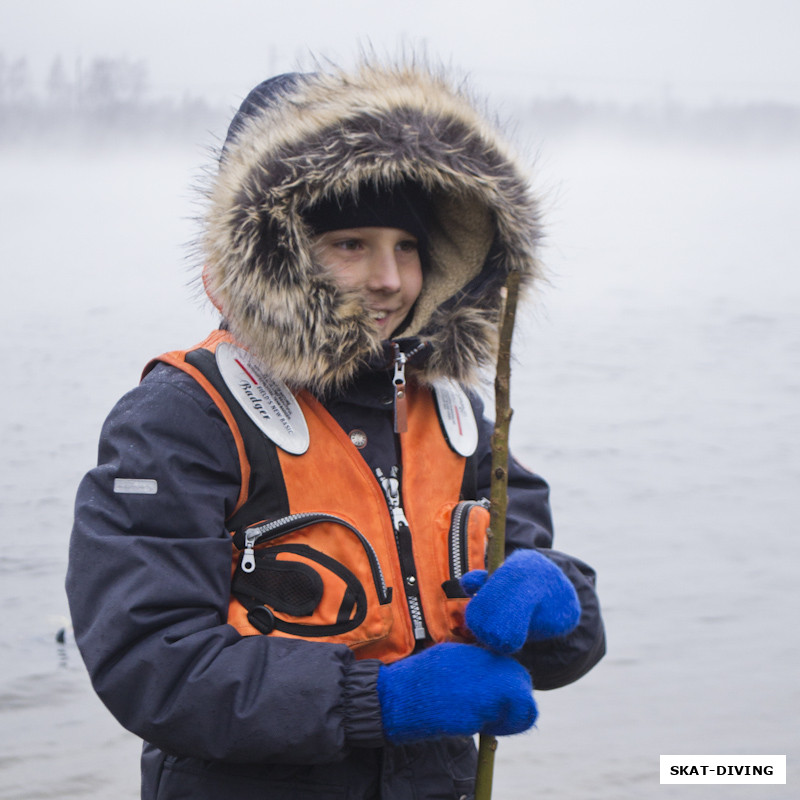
(399, 382)
(459, 544)
(400, 399)
(402, 535)
(268, 531)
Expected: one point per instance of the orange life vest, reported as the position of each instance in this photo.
(318, 553)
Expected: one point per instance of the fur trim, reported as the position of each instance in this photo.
(324, 135)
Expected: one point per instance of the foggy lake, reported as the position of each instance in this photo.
(656, 387)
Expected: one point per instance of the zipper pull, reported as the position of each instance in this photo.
(249, 556)
(399, 381)
(399, 518)
(391, 488)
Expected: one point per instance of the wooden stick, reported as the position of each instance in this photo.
(498, 495)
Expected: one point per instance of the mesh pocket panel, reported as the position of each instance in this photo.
(285, 586)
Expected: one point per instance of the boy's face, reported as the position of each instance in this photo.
(383, 264)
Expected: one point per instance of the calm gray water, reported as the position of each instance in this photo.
(656, 387)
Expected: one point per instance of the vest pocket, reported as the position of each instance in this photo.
(466, 542)
(462, 535)
(292, 580)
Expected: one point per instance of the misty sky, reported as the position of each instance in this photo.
(695, 51)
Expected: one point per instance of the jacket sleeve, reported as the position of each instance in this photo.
(148, 585)
(562, 660)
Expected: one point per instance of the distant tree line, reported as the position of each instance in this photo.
(764, 123)
(108, 100)
(104, 99)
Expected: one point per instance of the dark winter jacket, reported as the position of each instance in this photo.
(149, 585)
(149, 576)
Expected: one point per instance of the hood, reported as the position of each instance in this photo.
(301, 138)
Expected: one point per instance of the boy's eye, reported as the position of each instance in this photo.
(408, 246)
(348, 244)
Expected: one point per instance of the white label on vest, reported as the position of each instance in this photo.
(267, 401)
(457, 417)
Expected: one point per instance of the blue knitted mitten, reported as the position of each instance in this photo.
(454, 690)
(527, 598)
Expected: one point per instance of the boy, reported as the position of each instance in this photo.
(276, 568)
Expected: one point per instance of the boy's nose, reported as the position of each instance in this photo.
(384, 274)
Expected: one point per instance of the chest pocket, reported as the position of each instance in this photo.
(314, 576)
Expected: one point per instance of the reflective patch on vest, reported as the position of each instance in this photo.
(135, 486)
(267, 401)
(456, 416)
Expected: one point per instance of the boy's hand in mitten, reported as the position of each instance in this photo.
(454, 690)
(528, 598)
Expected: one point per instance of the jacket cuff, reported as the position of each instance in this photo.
(363, 721)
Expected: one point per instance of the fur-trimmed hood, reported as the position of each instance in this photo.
(300, 138)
